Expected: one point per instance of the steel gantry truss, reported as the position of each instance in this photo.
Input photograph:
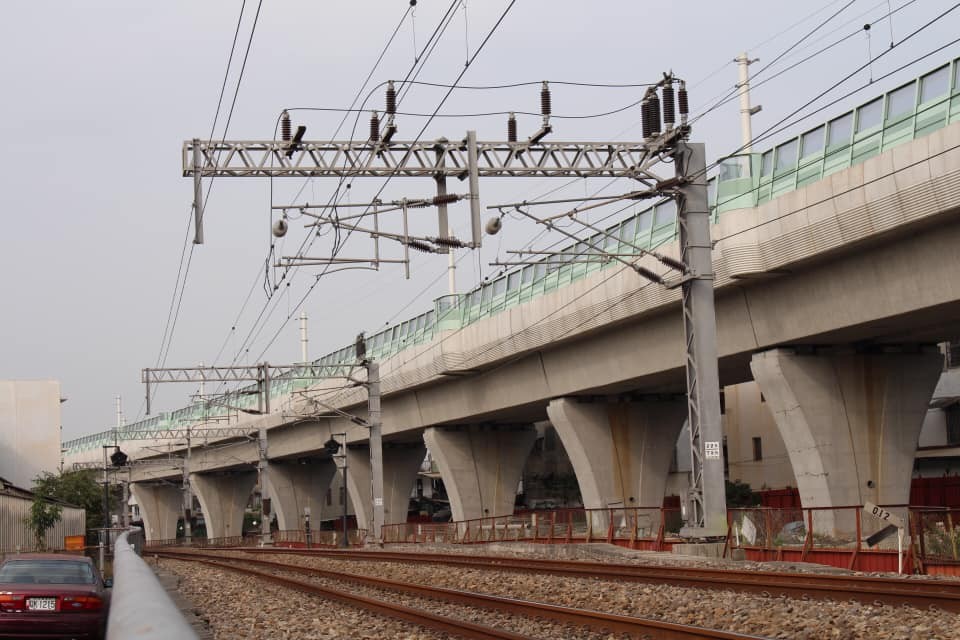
(268, 158)
(472, 159)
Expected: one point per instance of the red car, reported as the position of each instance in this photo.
(47, 595)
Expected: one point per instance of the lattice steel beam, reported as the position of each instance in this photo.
(184, 433)
(244, 158)
(241, 373)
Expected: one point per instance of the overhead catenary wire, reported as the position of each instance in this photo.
(466, 67)
(373, 69)
(258, 327)
(183, 270)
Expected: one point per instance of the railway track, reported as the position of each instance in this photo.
(570, 617)
(867, 589)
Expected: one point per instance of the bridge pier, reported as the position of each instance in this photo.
(223, 499)
(850, 420)
(161, 505)
(481, 466)
(401, 462)
(293, 485)
(620, 450)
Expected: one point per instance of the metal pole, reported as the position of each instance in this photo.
(708, 509)
(376, 449)
(125, 510)
(443, 224)
(197, 196)
(743, 62)
(306, 526)
(473, 172)
(303, 338)
(262, 463)
(187, 494)
(106, 489)
(451, 273)
(443, 221)
(343, 489)
(106, 508)
(263, 466)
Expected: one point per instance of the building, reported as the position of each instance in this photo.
(15, 535)
(29, 429)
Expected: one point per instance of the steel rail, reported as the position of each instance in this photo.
(921, 594)
(596, 620)
(407, 614)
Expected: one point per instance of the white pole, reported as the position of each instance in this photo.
(303, 338)
(451, 273)
(899, 550)
(743, 62)
(119, 412)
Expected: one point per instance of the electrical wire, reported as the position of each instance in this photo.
(428, 48)
(376, 64)
(176, 299)
(479, 49)
(731, 95)
(480, 114)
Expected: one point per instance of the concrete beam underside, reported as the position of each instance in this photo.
(480, 466)
(850, 421)
(223, 499)
(292, 486)
(160, 507)
(400, 466)
(620, 451)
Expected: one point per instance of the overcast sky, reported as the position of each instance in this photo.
(98, 97)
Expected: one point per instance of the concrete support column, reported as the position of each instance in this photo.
(620, 451)
(223, 499)
(481, 466)
(850, 421)
(401, 462)
(160, 508)
(292, 486)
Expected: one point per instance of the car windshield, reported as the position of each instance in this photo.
(46, 572)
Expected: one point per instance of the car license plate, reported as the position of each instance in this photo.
(42, 604)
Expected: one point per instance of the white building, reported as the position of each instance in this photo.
(29, 429)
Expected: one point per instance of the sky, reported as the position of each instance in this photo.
(98, 97)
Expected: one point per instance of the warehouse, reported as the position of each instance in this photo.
(15, 534)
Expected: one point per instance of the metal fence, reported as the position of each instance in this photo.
(849, 537)
(636, 527)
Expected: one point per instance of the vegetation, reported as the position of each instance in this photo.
(739, 494)
(43, 515)
(79, 488)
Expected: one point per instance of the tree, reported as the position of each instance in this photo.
(43, 515)
(79, 488)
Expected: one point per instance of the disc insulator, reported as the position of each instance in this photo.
(669, 105)
(391, 99)
(546, 106)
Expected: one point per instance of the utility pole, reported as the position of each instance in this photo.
(746, 111)
(708, 516)
(376, 448)
(304, 358)
(187, 494)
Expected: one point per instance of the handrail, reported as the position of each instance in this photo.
(140, 608)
